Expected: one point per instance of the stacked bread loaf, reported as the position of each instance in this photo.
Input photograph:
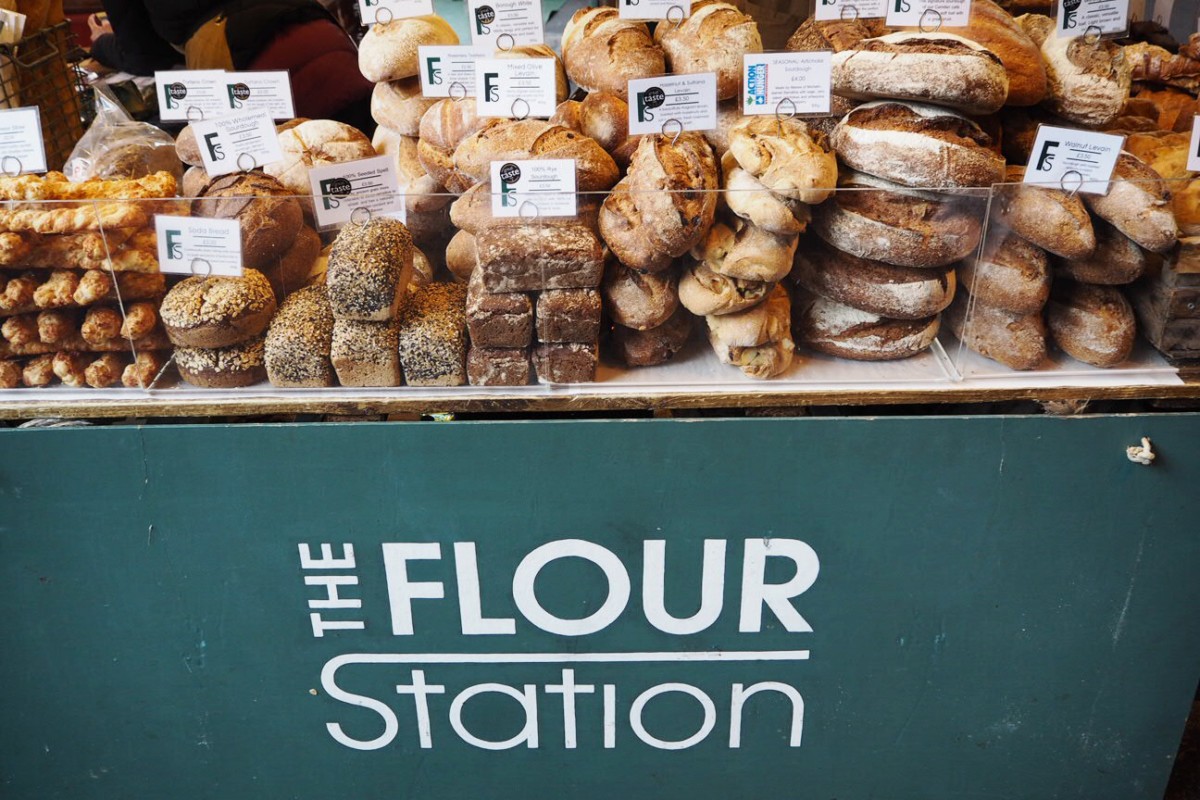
(79, 281)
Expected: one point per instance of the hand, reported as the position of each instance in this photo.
(99, 27)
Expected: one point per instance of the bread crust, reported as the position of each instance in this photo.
(1011, 274)
(785, 156)
(1092, 324)
(713, 39)
(603, 52)
(388, 51)
(839, 330)
(1018, 341)
(1137, 204)
(1050, 218)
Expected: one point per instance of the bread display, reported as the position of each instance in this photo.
(714, 38)
(370, 267)
(940, 68)
(297, 347)
(1092, 324)
(603, 52)
(433, 336)
(389, 50)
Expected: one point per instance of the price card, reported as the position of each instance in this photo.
(850, 9)
(786, 83)
(269, 92)
(670, 102)
(444, 69)
(1094, 17)
(655, 9)
(237, 143)
(516, 87)
(372, 11)
(340, 191)
(199, 245)
(1073, 160)
(21, 146)
(534, 188)
(191, 94)
(928, 15)
(491, 19)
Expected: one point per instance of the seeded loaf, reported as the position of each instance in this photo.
(217, 311)
(237, 365)
(433, 336)
(370, 267)
(299, 340)
(365, 354)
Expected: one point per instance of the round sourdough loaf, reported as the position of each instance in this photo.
(217, 311)
(1088, 81)
(715, 38)
(638, 300)
(399, 105)
(654, 346)
(1018, 341)
(745, 196)
(785, 156)
(997, 30)
(445, 124)
(1012, 274)
(293, 269)
(603, 52)
(388, 52)
(269, 216)
(939, 68)
(916, 144)
(834, 329)
(234, 366)
(316, 143)
(1092, 324)
(883, 289)
(505, 140)
(1116, 260)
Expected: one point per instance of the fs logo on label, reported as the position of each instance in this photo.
(651, 98)
(1045, 161)
(509, 175)
(484, 17)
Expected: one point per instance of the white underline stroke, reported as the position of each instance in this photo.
(571, 658)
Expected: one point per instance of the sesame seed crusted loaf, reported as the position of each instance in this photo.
(370, 266)
(217, 311)
(299, 340)
(433, 336)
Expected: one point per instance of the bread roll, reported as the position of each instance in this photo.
(883, 289)
(1088, 81)
(217, 311)
(655, 346)
(839, 330)
(1092, 324)
(665, 204)
(506, 140)
(1018, 341)
(739, 249)
(370, 266)
(785, 156)
(399, 105)
(746, 197)
(639, 300)
(1052, 219)
(298, 342)
(269, 216)
(713, 39)
(917, 145)
(1012, 274)
(603, 52)
(388, 52)
(1116, 260)
(937, 68)
(234, 366)
(704, 292)
(316, 143)
(758, 340)
(994, 28)
(1137, 204)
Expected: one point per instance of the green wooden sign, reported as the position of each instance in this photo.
(829, 608)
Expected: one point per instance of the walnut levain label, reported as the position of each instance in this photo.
(1073, 160)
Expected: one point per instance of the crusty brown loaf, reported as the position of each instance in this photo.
(639, 300)
(1088, 81)
(388, 52)
(654, 346)
(835, 34)
(603, 52)
(366, 353)
(299, 339)
(187, 149)
(883, 289)
(237, 365)
(604, 116)
(713, 39)
(1012, 274)
(399, 105)
(520, 258)
(499, 319)
(997, 30)
(1018, 341)
(445, 124)
(704, 292)
(937, 68)
(785, 156)
(909, 231)
(462, 256)
(566, 362)
(915, 144)
(502, 140)
(1116, 260)
(370, 266)
(316, 143)
(217, 311)
(294, 268)
(839, 330)
(194, 179)
(498, 366)
(664, 205)
(1137, 204)
(422, 192)
(1092, 324)
(269, 216)
(568, 315)
(740, 249)
(1050, 218)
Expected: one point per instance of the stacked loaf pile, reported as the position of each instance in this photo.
(79, 281)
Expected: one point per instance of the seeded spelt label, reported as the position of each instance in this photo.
(198, 245)
(368, 186)
(533, 188)
(671, 103)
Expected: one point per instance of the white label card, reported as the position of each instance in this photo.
(670, 102)
(1193, 162)
(372, 11)
(491, 19)
(655, 9)
(1095, 17)
(237, 143)
(516, 87)
(269, 92)
(340, 191)
(21, 146)
(786, 83)
(191, 94)
(534, 188)
(928, 15)
(850, 9)
(1073, 160)
(444, 69)
(198, 245)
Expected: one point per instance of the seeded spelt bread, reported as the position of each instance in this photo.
(433, 336)
(299, 340)
(370, 267)
(365, 353)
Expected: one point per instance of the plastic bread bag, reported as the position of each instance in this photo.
(116, 146)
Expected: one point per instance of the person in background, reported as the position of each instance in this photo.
(299, 36)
